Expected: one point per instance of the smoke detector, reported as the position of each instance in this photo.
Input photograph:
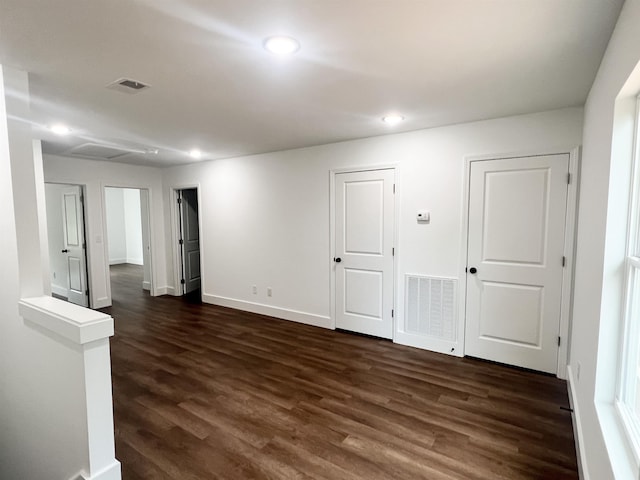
(127, 85)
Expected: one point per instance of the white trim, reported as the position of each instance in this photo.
(332, 242)
(105, 236)
(175, 237)
(117, 261)
(72, 322)
(112, 472)
(577, 426)
(269, 310)
(59, 290)
(146, 286)
(571, 219)
(569, 244)
(101, 302)
(166, 290)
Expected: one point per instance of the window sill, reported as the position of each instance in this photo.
(619, 450)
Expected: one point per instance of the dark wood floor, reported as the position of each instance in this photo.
(202, 392)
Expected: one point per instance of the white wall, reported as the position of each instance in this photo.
(116, 230)
(95, 176)
(146, 249)
(124, 225)
(265, 218)
(43, 430)
(133, 225)
(595, 345)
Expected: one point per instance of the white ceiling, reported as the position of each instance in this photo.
(214, 87)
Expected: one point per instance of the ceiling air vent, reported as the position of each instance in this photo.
(127, 85)
(97, 151)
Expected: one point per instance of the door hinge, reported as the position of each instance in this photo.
(182, 282)
(568, 179)
(86, 292)
(392, 313)
(558, 341)
(393, 251)
(84, 245)
(179, 200)
(564, 261)
(394, 188)
(81, 199)
(180, 242)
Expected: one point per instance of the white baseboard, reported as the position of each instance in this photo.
(146, 285)
(112, 472)
(166, 290)
(577, 426)
(283, 313)
(58, 290)
(101, 302)
(134, 261)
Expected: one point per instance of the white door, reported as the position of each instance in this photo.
(517, 213)
(74, 246)
(364, 216)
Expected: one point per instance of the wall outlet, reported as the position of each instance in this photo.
(578, 372)
(269, 292)
(254, 289)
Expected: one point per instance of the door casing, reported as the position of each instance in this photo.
(175, 237)
(154, 291)
(332, 235)
(569, 246)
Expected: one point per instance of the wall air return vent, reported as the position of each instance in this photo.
(127, 85)
(431, 307)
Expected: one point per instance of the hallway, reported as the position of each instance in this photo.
(204, 392)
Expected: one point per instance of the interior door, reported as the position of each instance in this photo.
(74, 246)
(517, 213)
(364, 216)
(190, 239)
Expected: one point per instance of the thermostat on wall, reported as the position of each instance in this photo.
(423, 216)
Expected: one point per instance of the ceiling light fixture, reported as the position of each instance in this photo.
(392, 119)
(281, 45)
(195, 153)
(60, 129)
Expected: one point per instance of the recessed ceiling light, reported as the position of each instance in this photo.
(60, 129)
(392, 119)
(195, 153)
(281, 45)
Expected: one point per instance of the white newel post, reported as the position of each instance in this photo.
(88, 332)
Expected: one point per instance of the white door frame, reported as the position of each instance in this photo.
(153, 291)
(569, 244)
(175, 237)
(87, 254)
(332, 235)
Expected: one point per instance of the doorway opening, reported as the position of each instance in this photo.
(128, 236)
(188, 229)
(67, 244)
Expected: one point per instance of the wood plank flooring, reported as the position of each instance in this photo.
(203, 392)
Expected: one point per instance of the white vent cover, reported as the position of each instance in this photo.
(97, 151)
(431, 306)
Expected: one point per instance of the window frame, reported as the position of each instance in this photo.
(628, 382)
